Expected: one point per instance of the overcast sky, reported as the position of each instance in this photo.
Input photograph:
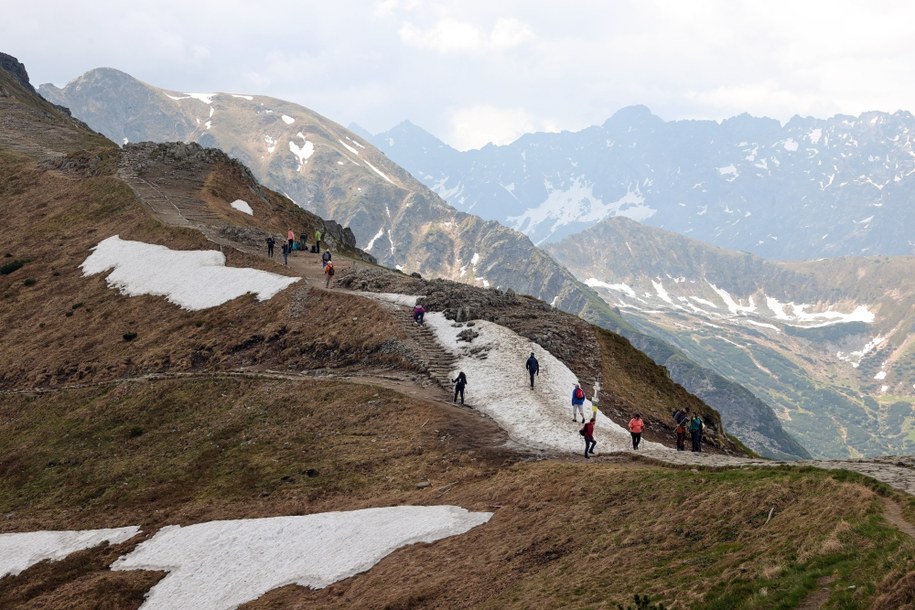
(478, 71)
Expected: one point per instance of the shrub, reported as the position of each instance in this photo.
(30, 281)
(12, 266)
(130, 336)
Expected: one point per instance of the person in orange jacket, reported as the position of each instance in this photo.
(635, 429)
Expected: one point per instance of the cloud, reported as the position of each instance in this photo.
(449, 35)
(481, 124)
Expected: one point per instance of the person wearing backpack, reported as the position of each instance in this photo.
(587, 431)
(578, 402)
(636, 425)
(460, 382)
(681, 419)
(285, 253)
(270, 243)
(419, 313)
(695, 430)
(290, 237)
(329, 274)
(317, 241)
(533, 368)
(326, 257)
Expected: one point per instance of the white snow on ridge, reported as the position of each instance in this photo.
(206, 98)
(19, 551)
(348, 147)
(287, 119)
(797, 313)
(250, 98)
(303, 152)
(223, 564)
(377, 171)
(732, 305)
(577, 203)
(242, 206)
(539, 417)
(624, 288)
(371, 243)
(193, 279)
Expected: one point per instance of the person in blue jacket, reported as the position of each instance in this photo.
(533, 368)
(578, 402)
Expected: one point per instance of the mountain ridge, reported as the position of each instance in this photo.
(395, 218)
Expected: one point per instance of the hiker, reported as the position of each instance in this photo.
(460, 382)
(419, 312)
(285, 253)
(326, 257)
(533, 368)
(317, 241)
(303, 246)
(695, 430)
(329, 274)
(681, 417)
(270, 243)
(587, 431)
(680, 414)
(578, 403)
(635, 429)
(290, 235)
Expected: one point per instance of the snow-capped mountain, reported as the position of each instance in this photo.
(809, 188)
(826, 343)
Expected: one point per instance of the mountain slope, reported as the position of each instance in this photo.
(828, 343)
(334, 172)
(318, 400)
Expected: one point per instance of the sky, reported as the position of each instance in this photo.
(478, 71)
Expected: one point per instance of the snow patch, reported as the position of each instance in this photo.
(19, 551)
(191, 279)
(303, 152)
(223, 564)
(242, 206)
(287, 119)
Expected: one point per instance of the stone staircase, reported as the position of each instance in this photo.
(175, 210)
(439, 363)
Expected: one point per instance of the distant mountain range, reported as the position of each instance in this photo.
(335, 173)
(826, 343)
(810, 188)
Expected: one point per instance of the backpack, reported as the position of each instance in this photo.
(695, 424)
(330, 268)
(579, 395)
(582, 431)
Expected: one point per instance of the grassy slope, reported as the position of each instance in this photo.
(563, 534)
(154, 453)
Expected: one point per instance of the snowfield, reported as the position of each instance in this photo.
(193, 279)
(20, 551)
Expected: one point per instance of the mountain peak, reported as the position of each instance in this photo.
(10, 64)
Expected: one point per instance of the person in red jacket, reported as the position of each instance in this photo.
(635, 429)
(588, 432)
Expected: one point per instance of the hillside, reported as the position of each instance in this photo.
(128, 410)
(826, 343)
(332, 171)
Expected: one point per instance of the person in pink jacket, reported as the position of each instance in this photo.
(290, 235)
(635, 429)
